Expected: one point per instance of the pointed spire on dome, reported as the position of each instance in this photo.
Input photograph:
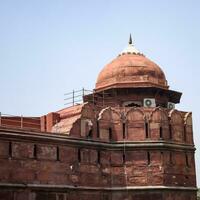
(130, 49)
(130, 39)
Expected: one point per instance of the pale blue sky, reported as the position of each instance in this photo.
(50, 47)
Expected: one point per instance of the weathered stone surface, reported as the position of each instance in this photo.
(46, 152)
(4, 149)
(22, 150)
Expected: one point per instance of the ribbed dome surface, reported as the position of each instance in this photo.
(131, 70)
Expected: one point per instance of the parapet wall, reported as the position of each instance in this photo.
(134, 124)
(49, 162)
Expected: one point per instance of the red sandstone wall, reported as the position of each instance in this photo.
(30, 160)
(42, 163)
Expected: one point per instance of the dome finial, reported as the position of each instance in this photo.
(130, 40)
(130, 49)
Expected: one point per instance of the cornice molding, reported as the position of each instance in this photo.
(64, 187)
(19, 135)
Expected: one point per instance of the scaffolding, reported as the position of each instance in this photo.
(76, 96)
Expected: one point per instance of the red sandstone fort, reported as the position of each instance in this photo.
(125, 141)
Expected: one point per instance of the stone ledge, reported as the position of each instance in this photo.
(64, 187)
(53, 138)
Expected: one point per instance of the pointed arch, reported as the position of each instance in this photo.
(135, 114)
(158, 115)
(103, 113)
(176, 117)
(159, 124)
(188, 128)
(135, 118)
(109, 113)
(110, 124)
(188, 118)
(177, 125)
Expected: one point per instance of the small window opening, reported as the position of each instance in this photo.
(97, 129)
(162, 156)
(10, 149)
(35, 151)
(184, 133)
(163, 105)
(147, 129)
(161, 132)
(124, 158)
(170, 131)
(57, 154)
(170, 158)
(79, 155)
(110, 133)
(98, 157)
(148, 158)
(90, 133)
(124, 131)
(186, 160)
(133, 105)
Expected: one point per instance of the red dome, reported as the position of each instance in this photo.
(131, 71)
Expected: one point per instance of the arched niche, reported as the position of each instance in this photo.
(188, 128)
(109, 124)
(135, 120)
(176, 126)
(159, 124)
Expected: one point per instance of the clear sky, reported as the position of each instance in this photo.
(50, 47)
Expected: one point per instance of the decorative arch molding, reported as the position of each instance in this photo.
(188, 128)
(110, 124)
(135, 123)
(159, 124)
(134, 110)
(108, 109)
(171, 112)
(177, 131)
(171, 116)
(187, 116)
(162, 111)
